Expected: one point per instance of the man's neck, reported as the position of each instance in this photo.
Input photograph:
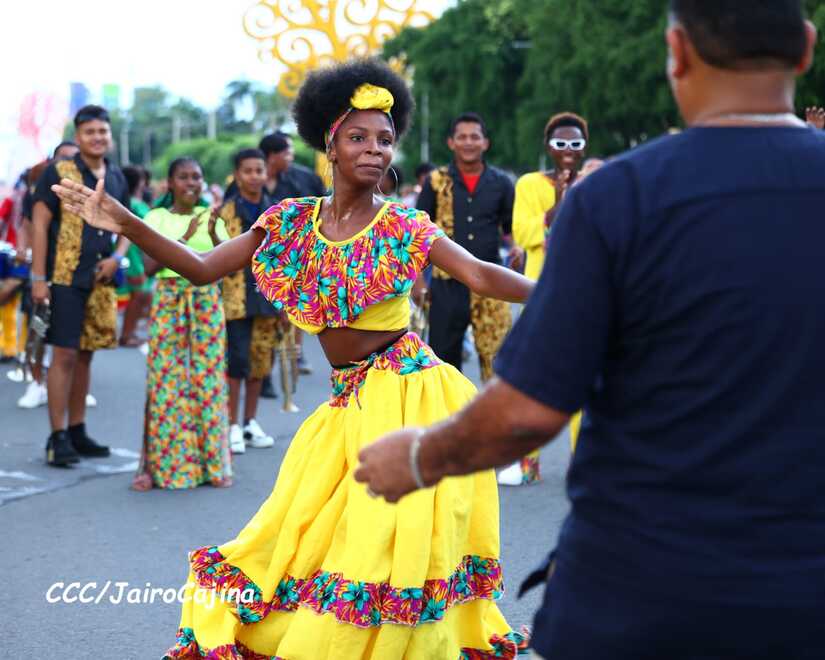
(737, 94)
(254, 198)
(96, 164)
(275, 177)
(470, 169)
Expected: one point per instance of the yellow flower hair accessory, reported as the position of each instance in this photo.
(365, 97)
(370, 97)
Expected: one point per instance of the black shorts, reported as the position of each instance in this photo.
(250, 343)
(83, 319)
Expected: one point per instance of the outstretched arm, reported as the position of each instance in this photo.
(485, 279)
(104, 212)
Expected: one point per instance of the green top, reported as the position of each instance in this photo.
(174, 225)
(133, 254)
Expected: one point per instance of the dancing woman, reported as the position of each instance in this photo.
(324, 569)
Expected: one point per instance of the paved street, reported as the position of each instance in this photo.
(85, 524)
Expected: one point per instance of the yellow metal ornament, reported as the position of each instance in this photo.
(305, 34)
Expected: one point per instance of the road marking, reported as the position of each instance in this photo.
(124, 453)
(18, 475)
(112, 469)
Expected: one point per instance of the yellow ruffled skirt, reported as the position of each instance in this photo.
(323, 571)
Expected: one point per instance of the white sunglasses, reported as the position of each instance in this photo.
(562, 145)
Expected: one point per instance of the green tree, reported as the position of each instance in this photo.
(517, 62)
(471, 59)
(269, 110)
(215, 156)
(605, 61)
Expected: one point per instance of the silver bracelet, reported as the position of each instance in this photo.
(415, 446)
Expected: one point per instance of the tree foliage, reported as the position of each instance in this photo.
(157, 121)
(468, 60)
(517, 62)
(215, 156)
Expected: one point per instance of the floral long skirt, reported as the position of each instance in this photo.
(323, 571)
(186, 422)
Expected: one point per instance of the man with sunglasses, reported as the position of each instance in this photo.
(538, 196)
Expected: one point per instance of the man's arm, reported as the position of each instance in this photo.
(506, 209)
(469, 441)
(473, 440)
(41, 219)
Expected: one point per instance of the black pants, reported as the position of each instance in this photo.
(449, 318)
(452, 308)
(250, 343)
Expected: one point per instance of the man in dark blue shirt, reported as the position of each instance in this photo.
(680, 305)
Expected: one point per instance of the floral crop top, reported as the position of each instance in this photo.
(363, 282)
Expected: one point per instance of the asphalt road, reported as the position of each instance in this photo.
(86, 525)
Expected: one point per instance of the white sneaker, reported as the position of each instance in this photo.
(255, 437)
(35, 396)
(236, 443)
(91, 402)
(511, 475)
(16, 376)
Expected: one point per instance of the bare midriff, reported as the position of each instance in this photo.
(343, 346)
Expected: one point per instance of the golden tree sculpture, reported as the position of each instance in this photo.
(305, 34)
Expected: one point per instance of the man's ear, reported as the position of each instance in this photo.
(451, 143)
(678, 59)
(810, 46)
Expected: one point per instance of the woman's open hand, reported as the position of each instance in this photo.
(96, 207)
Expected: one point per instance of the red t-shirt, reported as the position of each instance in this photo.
(471, 181)
(7, 231)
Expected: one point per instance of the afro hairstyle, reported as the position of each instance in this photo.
(326, 92)
(566, 119)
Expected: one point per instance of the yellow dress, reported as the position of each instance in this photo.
(535, 195)
(323, 571)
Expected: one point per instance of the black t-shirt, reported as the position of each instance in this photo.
(681, 305)
(249, 212)
(94, 244)
(297, 181)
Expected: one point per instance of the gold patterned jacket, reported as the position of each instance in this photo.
(241, 298)
(475, 220)
(75, 248)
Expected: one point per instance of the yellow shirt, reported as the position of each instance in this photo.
(535, 195)
(174, 225)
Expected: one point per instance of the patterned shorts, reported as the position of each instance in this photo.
(82, 318)
(250, 345)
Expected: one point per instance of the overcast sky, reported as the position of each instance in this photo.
(191, 47)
